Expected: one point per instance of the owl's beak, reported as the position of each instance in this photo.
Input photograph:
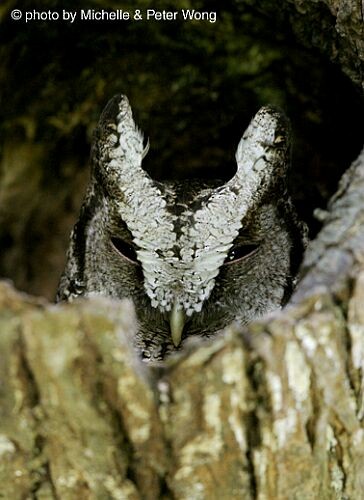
(177, 320)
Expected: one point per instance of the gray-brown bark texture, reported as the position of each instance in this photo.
(274, 411)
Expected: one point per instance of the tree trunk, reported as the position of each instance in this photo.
(271, 411)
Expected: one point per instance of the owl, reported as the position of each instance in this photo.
(192, 255)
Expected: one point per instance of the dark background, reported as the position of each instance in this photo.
(193, 87)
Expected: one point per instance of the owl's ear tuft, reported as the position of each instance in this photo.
(109, 114)
(267, 133)
(118, 148)
(263, 153)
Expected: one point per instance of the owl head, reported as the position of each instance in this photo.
(193, 256)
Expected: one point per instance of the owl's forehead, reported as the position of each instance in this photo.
(196, 226)
(186, 195)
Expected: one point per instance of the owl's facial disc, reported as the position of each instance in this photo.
(181, 254)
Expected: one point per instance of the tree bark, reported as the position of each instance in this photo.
(336, 28)
(271, 411)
